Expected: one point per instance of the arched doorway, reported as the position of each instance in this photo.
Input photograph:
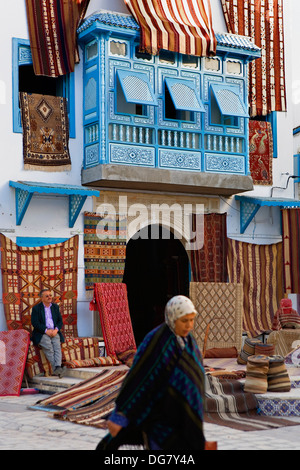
(155, 270)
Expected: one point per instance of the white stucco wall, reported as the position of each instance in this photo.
(48, 216)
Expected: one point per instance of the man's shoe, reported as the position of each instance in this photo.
(62, 371)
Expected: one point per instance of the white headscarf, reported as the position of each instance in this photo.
(177, 307)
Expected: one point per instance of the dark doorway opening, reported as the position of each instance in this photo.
(155, 270)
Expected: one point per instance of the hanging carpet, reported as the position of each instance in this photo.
(209, 263)
(179, 26)
(104, 248)
(291, 250)
(259, 269)
(220, 307)
(262, 20)
(226, 404)
(45, 132)
(13, 353)
(52, 27)
(27, 270)
(261, 152)
(111, 301)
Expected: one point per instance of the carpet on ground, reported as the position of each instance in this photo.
(226, 404)
(13, 353)
(89, 402)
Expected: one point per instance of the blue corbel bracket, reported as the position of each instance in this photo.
(248, 210)
(24, 191)
(249, 206)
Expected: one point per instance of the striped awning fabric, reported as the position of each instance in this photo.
(183, 26)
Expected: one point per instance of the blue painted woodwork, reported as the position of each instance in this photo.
(249, 206)
(38, 241)
(24, 191)
(198, 134)
(21, 55)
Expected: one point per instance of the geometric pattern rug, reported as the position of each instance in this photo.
(13, 353)
(220, 310)
(27, 270)
(104, 248)
(45, 132)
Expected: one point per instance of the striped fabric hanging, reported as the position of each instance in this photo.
(176, 25)
(262, 20)
(52, 26)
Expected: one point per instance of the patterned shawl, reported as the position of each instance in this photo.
(162, 394)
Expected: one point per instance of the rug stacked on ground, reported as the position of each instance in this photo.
(89, 402)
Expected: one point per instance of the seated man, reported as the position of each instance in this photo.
(47, 323)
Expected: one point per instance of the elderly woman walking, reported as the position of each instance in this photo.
(160, 404)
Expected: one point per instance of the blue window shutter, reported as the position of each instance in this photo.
(136, 87)
(184, 95)
(229, 100)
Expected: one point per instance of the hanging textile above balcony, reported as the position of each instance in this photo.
(52, 29)
(262, 20)
(176, 25)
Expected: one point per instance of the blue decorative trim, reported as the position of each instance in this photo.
(24, 191)
(38, 241)
(179, 160)
(132, 155)
(249, 206)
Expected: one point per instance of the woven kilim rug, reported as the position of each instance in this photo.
(27, 270)
(13, 352)
(112, 304)
(259, 268)
(90, 401)
(261, 152)
(209, 264)
(220, 306)
(104, 248)
(226, 404)
(262, 20)
(45, 132)
(52, 27)
(290, 219)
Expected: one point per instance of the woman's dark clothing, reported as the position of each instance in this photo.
(162, 395)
